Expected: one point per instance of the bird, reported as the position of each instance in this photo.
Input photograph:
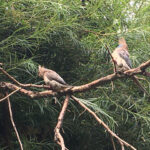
(53, 79)
(122, 61)
(121, 56)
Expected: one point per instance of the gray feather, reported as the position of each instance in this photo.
(125, 55)
(52, 75)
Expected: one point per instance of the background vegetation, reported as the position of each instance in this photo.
(70, 38)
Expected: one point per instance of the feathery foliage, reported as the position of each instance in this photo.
(70, 38)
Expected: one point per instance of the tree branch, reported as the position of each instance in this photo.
(113, 143)
(9, 86)
(139, 70)
(112, 77)
(13, 123)
(8, 95)
(78, 89)
(113, 61)
(20, 84)
(104, 125)
(31, 94)
(58, 137)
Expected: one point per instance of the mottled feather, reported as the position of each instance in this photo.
(52, 75)
(53, 79)
(121, 56)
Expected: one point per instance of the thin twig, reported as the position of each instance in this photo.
(13, 123)
(122, 145)
(58, 137)
(20, 84)
(114, 63)
(10, 77)
(103, 124)
(112, 86)
(113, 143)
(82, 112)
(9, 95)
(137, 82)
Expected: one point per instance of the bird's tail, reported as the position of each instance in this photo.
(136, 81)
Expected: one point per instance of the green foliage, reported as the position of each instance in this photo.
(70, 38)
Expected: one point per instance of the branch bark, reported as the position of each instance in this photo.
(20, 84)
(13, 123)
(76, 89)
(113, 61)
(122, 142)
(58, 137)
(8, 95)
(113, 143)
(104, 80)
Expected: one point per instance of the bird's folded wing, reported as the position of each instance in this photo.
(124, 54)
(51, 75)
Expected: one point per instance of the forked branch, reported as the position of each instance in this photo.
(32, 94)
(75, 89)
(20, 84)
(58, 137)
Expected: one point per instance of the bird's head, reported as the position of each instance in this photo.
(41, 71)
(122, 43)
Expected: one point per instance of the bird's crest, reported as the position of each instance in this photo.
(122, 43)
(41, 70)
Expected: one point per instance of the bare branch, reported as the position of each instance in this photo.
(138, 70)
(20, 84)
(58, 137)
(111, 77)
(82, 88)
(104, 125)
(13, 123)
(78, 89)
(113, 61)
(10, 77)
(113, 143)
(9, 95)
(122, 145)
(4, 85)
(10, 86)
(137, 82)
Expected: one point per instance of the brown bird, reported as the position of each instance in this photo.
(122, 61)
(121, 56)
(53, 79)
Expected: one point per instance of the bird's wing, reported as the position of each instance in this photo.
(125, 55)
(52, 75)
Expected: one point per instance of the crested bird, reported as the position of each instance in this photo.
(121, 56)
(53, 79)
(122, 61)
